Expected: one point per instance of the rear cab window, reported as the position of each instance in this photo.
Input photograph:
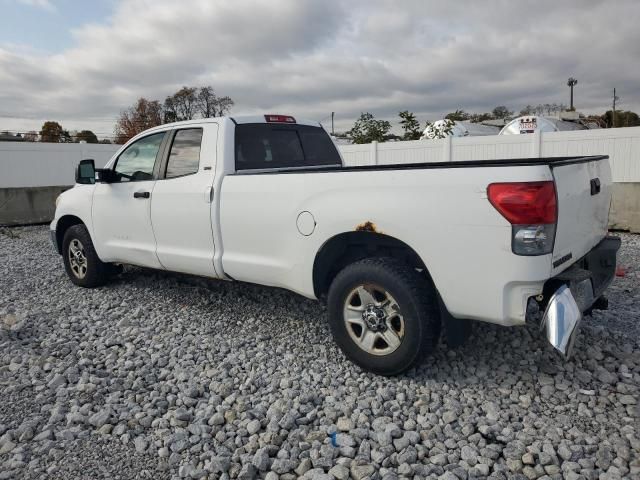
(266, 146)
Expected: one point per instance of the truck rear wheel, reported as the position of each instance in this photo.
(384, 315)
(81, 262)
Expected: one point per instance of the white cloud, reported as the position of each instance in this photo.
(310, 58)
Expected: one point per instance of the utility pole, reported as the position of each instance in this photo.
(571, 83)
(613, 111)
(332, 130)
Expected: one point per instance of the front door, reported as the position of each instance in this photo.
(122, 210)
(181, 211)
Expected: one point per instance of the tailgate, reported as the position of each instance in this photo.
(584, 196)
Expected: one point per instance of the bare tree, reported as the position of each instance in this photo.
(182, 105)
(210, 105)
(169, 110)
(186, 104)
(223, 105)
(31, 136)
(527, 110)
(207, 102)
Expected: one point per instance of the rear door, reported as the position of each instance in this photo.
(584, 197)
(181, 212)
(121, 210)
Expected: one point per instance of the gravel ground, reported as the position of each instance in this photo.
(165, 376)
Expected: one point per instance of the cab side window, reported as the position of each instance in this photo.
(184, 156)
(137, 161)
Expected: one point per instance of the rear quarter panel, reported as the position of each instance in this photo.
(443, 214)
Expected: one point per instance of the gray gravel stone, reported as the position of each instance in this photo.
(141, 444)
(253, 427)
(340, 472)
(100, 418)
(358, 472)
(220, 464)
(261, 459)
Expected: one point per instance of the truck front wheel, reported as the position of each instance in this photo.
(384, 315)
(81, 262)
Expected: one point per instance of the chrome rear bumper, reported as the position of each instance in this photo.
(575, 291)
(561, 320)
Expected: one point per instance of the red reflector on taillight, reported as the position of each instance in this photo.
(279, 119)
(525, 203)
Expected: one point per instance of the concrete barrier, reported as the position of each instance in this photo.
(32, 175)
(625, 207)
(28, 205)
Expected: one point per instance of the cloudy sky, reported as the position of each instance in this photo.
(81, 63)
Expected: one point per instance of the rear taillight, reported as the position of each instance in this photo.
(532, 210)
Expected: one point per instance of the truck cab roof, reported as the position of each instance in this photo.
(238, 119)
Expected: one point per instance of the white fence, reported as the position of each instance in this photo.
(621, 144)
(49, 164)
(27, 164)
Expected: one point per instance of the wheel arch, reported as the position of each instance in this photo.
(64, 223)
(348, 247)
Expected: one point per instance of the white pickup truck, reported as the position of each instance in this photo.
(395, 251)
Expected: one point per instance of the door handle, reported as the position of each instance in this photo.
(595, 186)
(141, 195)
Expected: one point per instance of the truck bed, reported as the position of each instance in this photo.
(441, 210)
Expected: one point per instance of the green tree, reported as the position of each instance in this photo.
(501, 112)
(623, 119)
(410, 125)
(439, 129)
(51, 132)
(367, 129)
(458, 115)
(86, 136)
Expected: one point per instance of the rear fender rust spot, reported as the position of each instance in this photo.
(367, 227)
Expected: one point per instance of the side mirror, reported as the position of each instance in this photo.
(86, 172)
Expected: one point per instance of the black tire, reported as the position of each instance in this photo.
(94, 272)
(418, 304)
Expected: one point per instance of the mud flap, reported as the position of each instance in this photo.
(457, 330)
